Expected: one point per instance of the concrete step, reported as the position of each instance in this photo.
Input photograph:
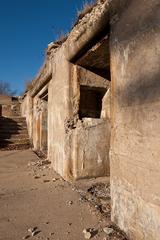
(12, 122)
(13, 131)
(13, 125)
(12, 146)
(8, 144)
(13, 117)
(13, 136)
(15, 140)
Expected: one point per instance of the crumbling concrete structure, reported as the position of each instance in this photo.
(102, 81)
(66, 107)
(9, 106)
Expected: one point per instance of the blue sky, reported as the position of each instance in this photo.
(26, 28)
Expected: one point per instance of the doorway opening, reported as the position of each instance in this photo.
(44, 122)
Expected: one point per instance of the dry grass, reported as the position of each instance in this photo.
(61, 39)
(86, 8)
(28, 85)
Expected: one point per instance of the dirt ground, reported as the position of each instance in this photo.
(34, 200)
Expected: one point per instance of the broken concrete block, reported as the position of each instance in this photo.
(70, 202)
(87, 233)
(108, 230)
(26, 237)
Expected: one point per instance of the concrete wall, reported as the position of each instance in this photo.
(58, 112)
(35, 110)
(90, 148)
(27, 112)
(67, 134)
(135, 141)
(89, 137)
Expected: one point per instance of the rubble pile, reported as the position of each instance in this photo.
(98, 197)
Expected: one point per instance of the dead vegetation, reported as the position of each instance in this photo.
(61, 39)
(86, 8)
(28, 85)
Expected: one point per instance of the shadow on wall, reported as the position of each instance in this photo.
(8, 127)
(144, 90)
(141, 18)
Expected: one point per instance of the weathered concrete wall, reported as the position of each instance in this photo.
(135, 141)
(27, 112)
(106, 105)
(64, 101)
(89, 137)
(90, 148)
(44, 127)
(58, 112)
(36, 122)
(66, 131)
(35, 110)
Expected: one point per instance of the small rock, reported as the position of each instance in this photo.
(34, 233)
(87, 233)
(82, 199)
(70, 202)
(51, 234)
(32, 229)
(54, 179)
(108, 230)
(36, 177)
(26, 237)
(45, 162)
(46, 181)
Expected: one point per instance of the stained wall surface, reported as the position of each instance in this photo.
(27, 112)
(135, 137)
(89, 132)
(90, 148)
(58, 113)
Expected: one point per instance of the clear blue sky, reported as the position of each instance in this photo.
(26, 28)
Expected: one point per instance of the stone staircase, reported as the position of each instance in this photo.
(13, 133)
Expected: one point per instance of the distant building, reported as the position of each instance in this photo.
(9, 105)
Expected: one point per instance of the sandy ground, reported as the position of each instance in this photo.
(32, 195)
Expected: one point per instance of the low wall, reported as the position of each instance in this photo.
(90, 149)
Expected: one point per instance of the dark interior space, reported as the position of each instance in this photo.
(44, 95)
(91, 102)
(44, 123)
(97, 59)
